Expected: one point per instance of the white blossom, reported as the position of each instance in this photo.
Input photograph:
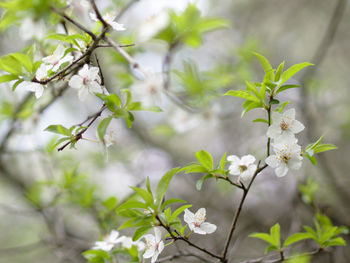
(30, 28)
(154, 245)
(108, 242)
(110, 138)
(57, 58)
(87, 81)
(242, 167)
(152, 26)
(196, 222)
(109, 18)
(37, 88)
(284, 125)
(149, 90)
(287, 156)
(127, 242)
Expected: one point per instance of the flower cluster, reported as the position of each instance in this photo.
(110, 241)
(287, 151)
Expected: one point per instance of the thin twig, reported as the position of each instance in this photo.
(79, 135)
(77, 24)
(237, 214)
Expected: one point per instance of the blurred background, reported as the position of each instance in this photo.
(51, 202)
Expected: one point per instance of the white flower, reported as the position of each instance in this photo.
(110, 138)
(57, 58)
(108, 242)
(196, 222)
(37, 88)
(154, 245)
(287, 156)
(127, 242)
(109, 18)
(152, 26)
(87, 81)
(284, 125)
(183, 121)
(30, 28)
(149, 90)
(243, 167)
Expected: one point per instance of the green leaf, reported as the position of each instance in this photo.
(263, 236)
(261, 120)
(172, 201)
(132, 204)
(249, 105)
(292, 71)
(102, 127)
(324, 147)
(279, 71)
(205, 159)
(110, 203)
(270, 248)
(223, 162)
(274, 101)
(200, 182)
(275, 234)
(335, 242)
(296, 238)
(285, 87)
(281, 107)
(7, 78)
(10, 64)
(242, 94)
(163, 185)
(145, 195)
(60, 129)
(178, 211)
(24, 60)
(140, 232)
(264, 62)
(194, 168)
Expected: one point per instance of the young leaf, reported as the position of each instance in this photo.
(60, 129)
(292, 71)
(102, 127)
(200, 182)
(296, 238)
(242, 94)
(264, 62)
(140, 232)
(205, 159)
(163, 185)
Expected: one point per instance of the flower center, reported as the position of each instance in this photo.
(242, 168)
(284, 126)
(86, 81)
(153, 89)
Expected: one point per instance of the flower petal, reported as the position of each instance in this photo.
(247, 159)
(281, 170)
(76, 82)
(289, 113)
(297, 127)
(208, 228)
(272, 161)
(188, 216)
(233, 159)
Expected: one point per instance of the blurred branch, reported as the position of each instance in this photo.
(318, 58)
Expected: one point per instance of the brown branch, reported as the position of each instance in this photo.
(77, 24)
(98, 14)
(79, 135)
(237, 214)
(185, 239)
